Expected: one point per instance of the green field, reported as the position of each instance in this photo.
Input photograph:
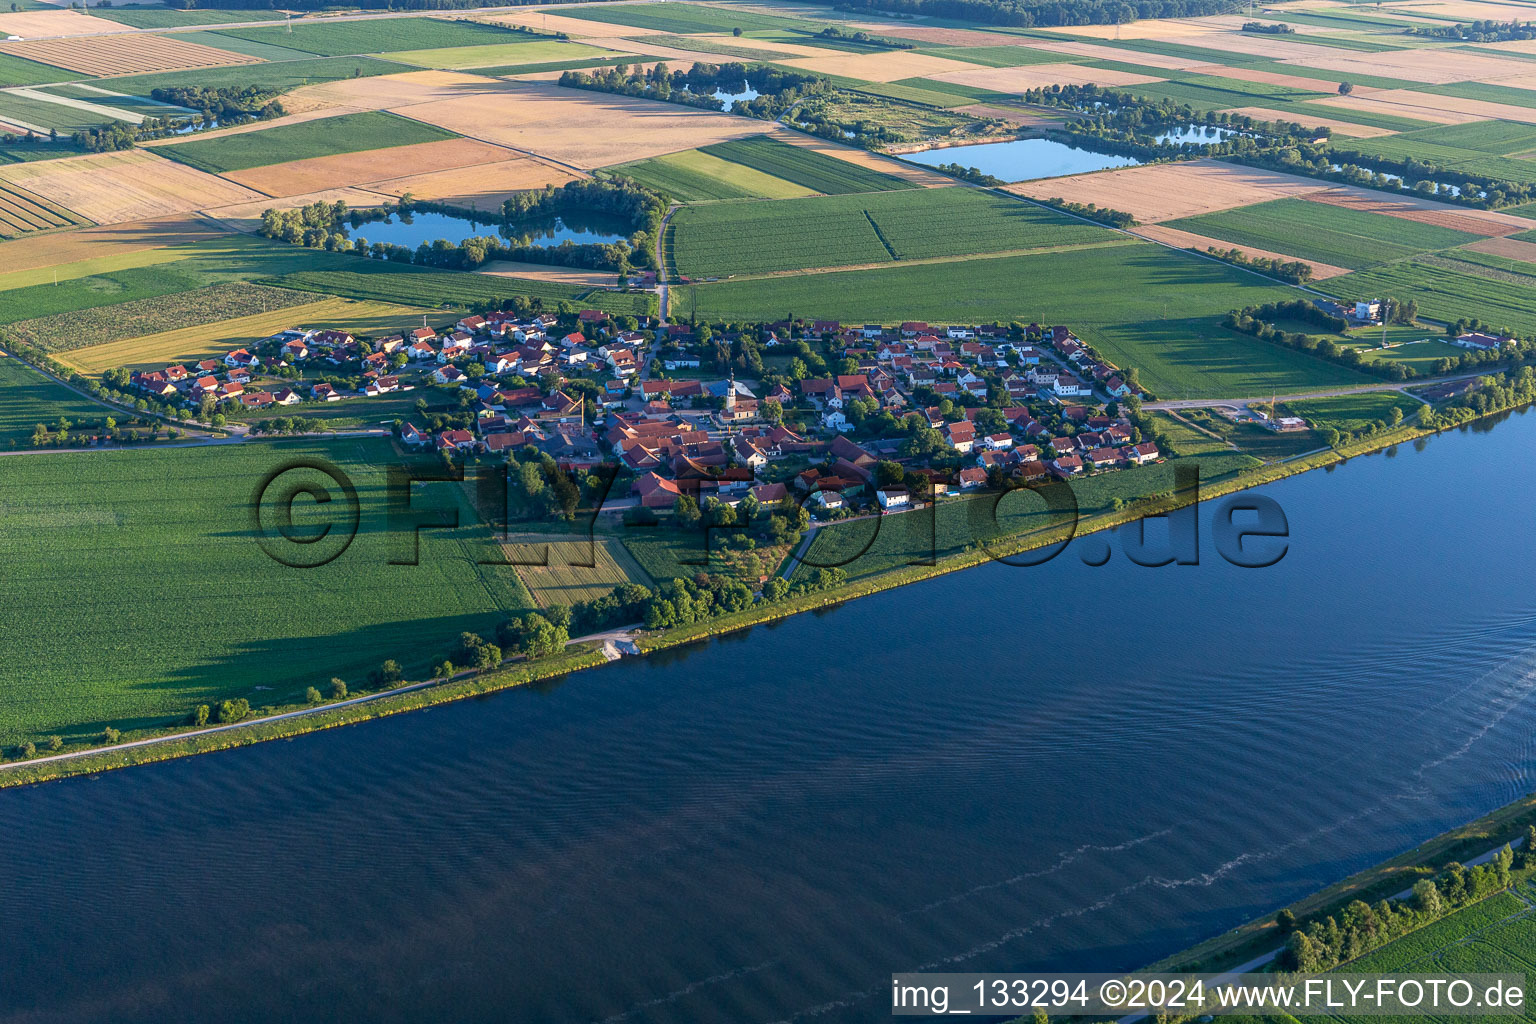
(424, 286)
(28, 398)
(526, 50)
(105, 324)
(148, 561)
(381, 35)
(1328, 234)
(200, 264)
(758, 237)
(1141, 305)
(161, 18)
(1444, 293)
(43, 114)
(1484, 91)
(692, 176)
(994, 56)
(1478, 147)
(815, 171)
(20, 71)
(277, 75)
(327, 136)
(1261, 443)
(1350, 413)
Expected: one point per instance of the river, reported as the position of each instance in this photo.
(1003, 768)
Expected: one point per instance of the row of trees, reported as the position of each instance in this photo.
(1324, 944)
(1027, 13)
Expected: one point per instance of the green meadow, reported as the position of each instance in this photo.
(147, 591)
(326, 136)
(28, 398)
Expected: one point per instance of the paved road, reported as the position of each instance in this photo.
(608, 638)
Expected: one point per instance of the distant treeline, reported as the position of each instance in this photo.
(1025, 13)
(1486, 31)
(777, 90)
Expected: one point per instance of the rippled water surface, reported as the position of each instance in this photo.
(1003, 768)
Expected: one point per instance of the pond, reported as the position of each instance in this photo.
(1441, 187)
(1199, 134)
(747, 93)
(1023, 159)
(414, 228)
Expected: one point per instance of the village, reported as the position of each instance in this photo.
(845, 419)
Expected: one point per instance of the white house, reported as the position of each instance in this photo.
(893, 500)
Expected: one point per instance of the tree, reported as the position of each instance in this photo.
(26, 749)
(776, 589)
(389, 673)
(1528, 854)
(1345, 88)
(687, 512)
(55, 742)
(1301, 953)
(200, 714)
(233, 710)
(1286, 922)
(338, 689)
(312, 695)
(1426, 897)
(445, 670)
(110, 735)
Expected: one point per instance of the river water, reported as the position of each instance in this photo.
(1005, 768)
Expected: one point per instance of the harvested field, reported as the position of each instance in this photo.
(482, 187)
(299, 176)
(1471, 10)
(1477, 222)
(40, 24)
(1434, 66)
(23, 212)
(1190, 240)
(130, 185)
(101, 242)
(880, 67)
(920, 176)
(1035, 75)
(561, 580)
(1156, 28)
(205, 341)
(1392, 103)
(1157, 192)
(582, 129)
(938, 36)
(1359, 131)
(549, 272)
(1509, 248)
(124, 54)
(385, 92)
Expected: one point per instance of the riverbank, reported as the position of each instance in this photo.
(1261, 936)
(294, 720)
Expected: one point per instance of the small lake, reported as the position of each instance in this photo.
(1022, 159)
(728, 98)
(1397, 179)
(1198, 134)
(412, 229)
